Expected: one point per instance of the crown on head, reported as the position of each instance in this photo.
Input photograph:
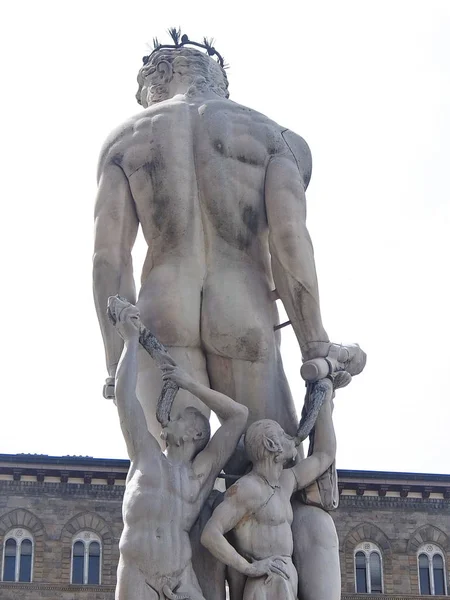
(182, 40)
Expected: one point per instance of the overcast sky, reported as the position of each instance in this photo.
(365, 82)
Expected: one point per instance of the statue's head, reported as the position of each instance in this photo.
(267, 439)
(168, 70)
(190, 429)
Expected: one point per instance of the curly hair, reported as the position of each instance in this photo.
(201, 72)
(254, 439)
(197, 424)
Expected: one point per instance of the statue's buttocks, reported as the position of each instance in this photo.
(196, 173)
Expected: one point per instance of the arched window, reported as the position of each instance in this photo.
(431, 571)
(18, 556)
(86, 558)
(368, 569)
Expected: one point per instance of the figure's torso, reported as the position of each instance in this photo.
(267, 530)
(158, 513)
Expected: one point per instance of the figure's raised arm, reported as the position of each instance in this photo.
(309, 469)
(138, 439)
(291, 249)
(232, 415)
(116, 226)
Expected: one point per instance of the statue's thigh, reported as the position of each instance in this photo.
(260, 385)
(277, 589)
(131, 584)
(316, 553)
(149, 383)
(189, 585)
(238, 315)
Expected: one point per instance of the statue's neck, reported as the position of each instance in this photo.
(269, 470)
(181, 90)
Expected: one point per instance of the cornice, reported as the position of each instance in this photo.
(57, 587)
(97, 472)
(388, 596)
(399, 503)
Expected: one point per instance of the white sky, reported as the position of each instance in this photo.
(366, 83)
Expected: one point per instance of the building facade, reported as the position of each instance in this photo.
(60, 524)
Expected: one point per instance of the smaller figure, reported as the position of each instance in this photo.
(257, 508)
(165, 492)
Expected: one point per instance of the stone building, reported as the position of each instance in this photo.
(60, 523)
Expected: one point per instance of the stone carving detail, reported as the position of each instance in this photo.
(219, 191)
(165, 492)
(257, 508)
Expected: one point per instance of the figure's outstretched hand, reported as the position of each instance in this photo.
(268, 566)
(172, 372)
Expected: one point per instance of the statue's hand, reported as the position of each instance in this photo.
(109, 388)
(128, 324)
(339, 358)
(269, 567)
(172, 372)
(352, 357)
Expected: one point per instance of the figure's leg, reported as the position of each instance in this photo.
(236, 583)
(243, 354)
(316, 553)
(131, 584)
(259, 385)
(169, 303)
(189, 585)
(209, 570)
(150, 383)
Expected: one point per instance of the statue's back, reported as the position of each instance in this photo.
(196, 172)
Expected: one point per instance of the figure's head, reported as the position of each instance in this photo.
(267, 439)
(170, 70)
(191, 430)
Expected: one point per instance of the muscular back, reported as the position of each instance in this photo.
(196, 172)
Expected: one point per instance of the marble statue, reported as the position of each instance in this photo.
(219, 191)
(257, 508)
(165, 492)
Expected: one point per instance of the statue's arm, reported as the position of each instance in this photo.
(241, 501)
(309, 469)
(225, 517)
(291, 249)
(233, 417)
(132, 418)
(116, 226)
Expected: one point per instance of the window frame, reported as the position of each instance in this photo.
(86, 537)
(430, 551)
(19, 535)
(367, 548)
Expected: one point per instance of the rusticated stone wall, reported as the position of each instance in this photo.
(56, 497)
(54, 512)
(398, 526)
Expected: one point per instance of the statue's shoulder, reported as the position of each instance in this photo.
(113, 147)
(120, 138)
(278, 139)
(245, 490)
(296, 147)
